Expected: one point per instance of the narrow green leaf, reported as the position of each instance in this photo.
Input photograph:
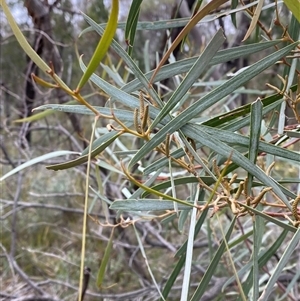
(104, 261)
(183, 66)
(131, 24)
(178, 67)
(98, 146)
(289, 250)
(258, 231)
(181, 252)
(129, 62)
(99, 142)
(237, 139)
(262, 260)
(37, 160)
(240, 123)
(138, 192)
(171, 279)
(172, 185)
(191, 77)
(181, 22)
(132, 36)
(234, 4)
(26, 46)
(132, 16)
(37, 116)
(183, 215)
(169, 219)
(210, 99)
(22, 40)
(227, 137)
(235, 241)
(294, 29)
(291, 287)
(188, 180)
(42, 115)
(103, 44)
(228, 152)
(145, 205)
(109, 167)
(114, 75)
(224, 118)
(255, 126)
(204, 11)
(123, 97)
(123, 115)
(293, 6)
(202, 287)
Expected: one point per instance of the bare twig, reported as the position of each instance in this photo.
(23, 205)
(25, 277)
(154, 232)
(14, 216)
(5, 153)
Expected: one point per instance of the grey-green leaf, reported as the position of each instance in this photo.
(210, 99)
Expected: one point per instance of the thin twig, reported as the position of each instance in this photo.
(14, 216)
(25, 277)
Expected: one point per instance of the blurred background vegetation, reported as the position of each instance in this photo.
(42, 210)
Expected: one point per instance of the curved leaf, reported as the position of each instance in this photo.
(27, 48)
(293, 6)
(37, 160)
(103, 44)
(98, 146)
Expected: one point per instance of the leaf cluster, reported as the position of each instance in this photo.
(225, 162)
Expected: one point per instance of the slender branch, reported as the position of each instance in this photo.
(25, 277)
(24, 205)
(14, 216)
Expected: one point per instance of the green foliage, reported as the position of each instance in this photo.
(102, 46)
(294, 8)
(198, 169)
